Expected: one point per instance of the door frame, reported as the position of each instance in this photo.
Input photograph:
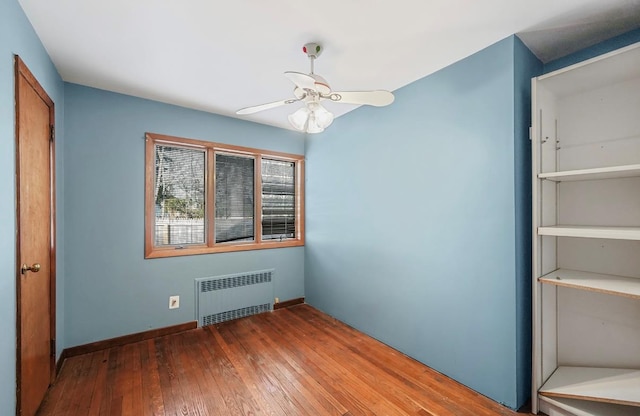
(21, 70)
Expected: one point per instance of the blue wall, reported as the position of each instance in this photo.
(526, 67)
(411, 222)
(608, 45)
(18, 37)
(111, 290)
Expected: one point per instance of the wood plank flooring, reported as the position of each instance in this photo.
(295, 361)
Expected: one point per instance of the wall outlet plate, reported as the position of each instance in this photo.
(174, 302)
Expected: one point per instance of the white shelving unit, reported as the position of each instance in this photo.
(586, 247)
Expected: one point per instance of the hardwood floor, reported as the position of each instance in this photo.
(295, 361)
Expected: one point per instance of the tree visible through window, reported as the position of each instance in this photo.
(179, 196)
(204, 197)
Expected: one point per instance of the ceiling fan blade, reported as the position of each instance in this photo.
(378, 98)
(261, 107)
(301, 80)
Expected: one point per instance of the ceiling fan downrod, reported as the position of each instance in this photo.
(313, 50)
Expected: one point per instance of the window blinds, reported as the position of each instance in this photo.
(234, 203)
(278, 199)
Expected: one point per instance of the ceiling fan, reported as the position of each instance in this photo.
(312, 89)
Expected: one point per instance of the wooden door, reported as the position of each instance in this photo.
(35, 241)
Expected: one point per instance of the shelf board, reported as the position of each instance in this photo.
(603, 283)
(608, 385)
(611, 172)
(616, 233)
(585, 408)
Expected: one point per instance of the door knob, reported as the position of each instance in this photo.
(35, 268)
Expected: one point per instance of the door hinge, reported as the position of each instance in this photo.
(52, 350)
(530, 133)
(52, 137)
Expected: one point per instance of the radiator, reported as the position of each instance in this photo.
(222, 298)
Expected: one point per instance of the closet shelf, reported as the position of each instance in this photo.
(603, 283)
(616, 233)
(585, 408)
(611, 172)
(608, 385)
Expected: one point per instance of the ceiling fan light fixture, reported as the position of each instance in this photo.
(313, 118)
(311, 89)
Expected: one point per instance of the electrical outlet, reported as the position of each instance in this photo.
(174, 302)
(277, 300)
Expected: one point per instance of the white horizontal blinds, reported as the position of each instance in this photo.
(278, 199)
(179, 196)
(234, 194)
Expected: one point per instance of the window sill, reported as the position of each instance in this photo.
(156, 253)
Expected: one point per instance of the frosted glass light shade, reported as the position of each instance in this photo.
(313, 126)
(323, 118)
(300, 118)
(312, 118)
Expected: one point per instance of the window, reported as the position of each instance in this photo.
(278, 199)
(204, 197)
(235, 208)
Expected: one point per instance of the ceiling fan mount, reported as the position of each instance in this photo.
(312, 49)
(311, 89)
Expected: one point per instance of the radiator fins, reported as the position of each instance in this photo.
(223, 298)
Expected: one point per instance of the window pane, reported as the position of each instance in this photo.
(234, 198)
(278, 200)
(179, 196)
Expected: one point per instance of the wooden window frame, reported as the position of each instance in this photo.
(210, 246)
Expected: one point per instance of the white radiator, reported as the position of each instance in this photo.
(222, 298)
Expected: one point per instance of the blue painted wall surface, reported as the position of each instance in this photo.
(608, 45)
(18, 37)
(411, 222)
(111, 289)
(526, 67)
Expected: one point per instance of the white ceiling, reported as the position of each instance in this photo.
(221, 56)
